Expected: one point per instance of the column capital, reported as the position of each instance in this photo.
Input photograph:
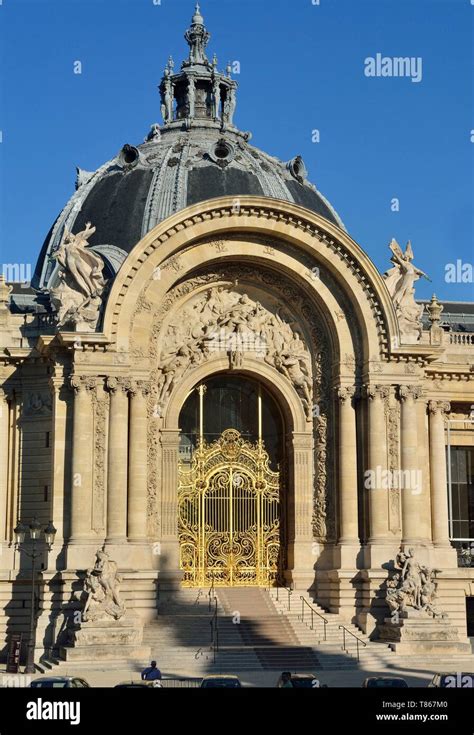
(82, 383)
(140, 387)
(169, 437)
(441, 407)
(302, 440)
(6, 394)
(409, 391)
(373, 391)
(118, 385)
(59, 387)
(345, 392)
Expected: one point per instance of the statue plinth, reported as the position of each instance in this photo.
(417, 625)
(415, 632)
(107, 639)
(101, 629)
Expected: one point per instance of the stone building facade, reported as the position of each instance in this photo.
(208, 259)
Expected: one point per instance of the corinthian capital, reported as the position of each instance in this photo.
(140, 387)
(117, 385)
(82, 382)
(441, 407)
(345, 392)
(377, 391)
(409, 391)
(76, 383)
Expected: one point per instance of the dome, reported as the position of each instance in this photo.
(197, 154)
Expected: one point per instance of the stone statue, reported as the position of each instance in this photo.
(226, 108)
(78, 297)
(167, 100)
(216, 98)
(293, 363)
(231, 105)
(412, 586)
(101, 590)
(154, 134)
(400, 283)
(191, 98)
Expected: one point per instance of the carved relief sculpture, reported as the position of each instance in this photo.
(225, 320)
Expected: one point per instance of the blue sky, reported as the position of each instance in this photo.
(302, 68)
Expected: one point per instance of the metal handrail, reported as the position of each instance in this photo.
(214, 631)
(289, 591)
(211, 594)
(344, 629)
(325, 620)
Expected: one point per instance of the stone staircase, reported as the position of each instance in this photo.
(328, 644)
(257, 632)
(253, 636)
(321, 630)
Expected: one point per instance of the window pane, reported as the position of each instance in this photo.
(231, 402)
(462, 489)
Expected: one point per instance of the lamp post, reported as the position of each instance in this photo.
(35, 533)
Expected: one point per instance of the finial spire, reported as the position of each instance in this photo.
(197, 37)
(197, 17)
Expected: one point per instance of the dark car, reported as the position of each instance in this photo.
(380, 682)
(453, 680)
(221, 681)
(298, 681)
(59, 682)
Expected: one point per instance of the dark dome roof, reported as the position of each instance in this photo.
(197, 155)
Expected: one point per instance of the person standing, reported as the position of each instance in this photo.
(151, 673)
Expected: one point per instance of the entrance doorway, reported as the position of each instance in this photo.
(229, 495)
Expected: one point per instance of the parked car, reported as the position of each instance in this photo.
(299, 681)
(452, 680)
(59, 682)
(220, 681)
(137, 684)
(394, 682)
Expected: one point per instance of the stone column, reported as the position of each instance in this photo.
(411, 491)
(424, 478)
(348, 503)
(81, 464)
(300, 557)
(4, 452)
(169, 557)
(60, 456)
(378, 487)
(117, 461)
(137, 463)
(439, 484)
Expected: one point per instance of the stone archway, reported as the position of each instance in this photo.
(188, 343)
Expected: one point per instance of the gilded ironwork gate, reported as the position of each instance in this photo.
(228, 515)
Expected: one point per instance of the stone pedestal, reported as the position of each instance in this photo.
(106, 640)
(417, 633)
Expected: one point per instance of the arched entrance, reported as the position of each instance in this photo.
(231, 504)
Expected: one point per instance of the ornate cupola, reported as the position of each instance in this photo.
(199, 92)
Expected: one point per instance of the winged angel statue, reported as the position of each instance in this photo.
(78, 296)
(400, 283)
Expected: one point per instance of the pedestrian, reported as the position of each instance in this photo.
(151, 673)
(286, 682)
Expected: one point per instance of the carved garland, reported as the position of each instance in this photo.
(100, 406)
(392, 414)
